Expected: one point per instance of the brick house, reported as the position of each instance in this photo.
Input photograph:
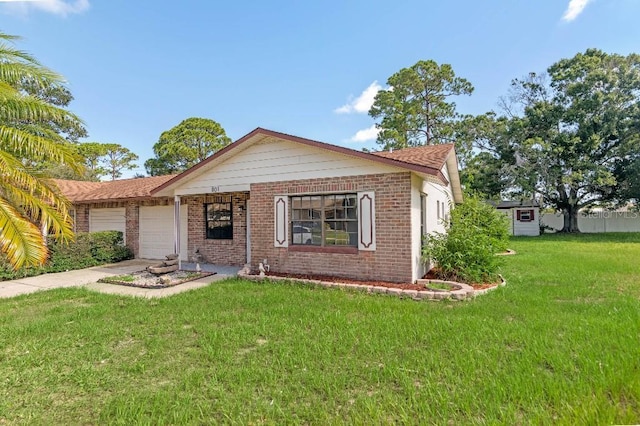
(305, 206)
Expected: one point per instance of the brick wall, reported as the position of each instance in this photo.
(132, 215)
(82, 218)
(225, 252)
(390, 262)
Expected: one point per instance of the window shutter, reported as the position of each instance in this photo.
(366, 221)
(281, 221)
(518, 214)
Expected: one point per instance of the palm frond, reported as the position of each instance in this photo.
(50, 147)
(28, 200)
(38, 200)
(15, 73)
(15, 65)
(17, 107)
(20, 240)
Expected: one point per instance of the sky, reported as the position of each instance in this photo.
(307, 68)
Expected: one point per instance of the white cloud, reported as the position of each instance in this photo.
(574, 9)
(366, 135)
(57, 7)
(362, 103)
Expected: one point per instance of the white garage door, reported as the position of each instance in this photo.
(156, 232)
(111, 219)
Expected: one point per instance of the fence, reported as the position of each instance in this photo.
(598, 221)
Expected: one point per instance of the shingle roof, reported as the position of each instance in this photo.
(430, 155)
(508, 204)
(425, 159)
(81, 191)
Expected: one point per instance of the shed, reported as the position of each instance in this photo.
(524, 216)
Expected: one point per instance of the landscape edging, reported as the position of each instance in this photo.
(464, 293)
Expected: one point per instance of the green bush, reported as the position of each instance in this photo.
(69, 256)
(467, 251)
(108, 247)
(88, 249)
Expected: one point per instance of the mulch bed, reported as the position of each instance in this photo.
(434, 274)
(332, 279)
(404, 286)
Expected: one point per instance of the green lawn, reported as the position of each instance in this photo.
(560, 344)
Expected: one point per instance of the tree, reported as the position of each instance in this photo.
(588, 127)
(93, 154)
(416, 109)
(58, 95)
(185, 145)
(117, 158)
(29, 201)
(573, 136)
(627, 174)
(489, 160)
(99, 160)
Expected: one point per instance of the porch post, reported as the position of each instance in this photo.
(176, 228)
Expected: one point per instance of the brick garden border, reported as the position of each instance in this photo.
(464, 292)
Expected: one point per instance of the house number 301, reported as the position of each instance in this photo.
(215, 189)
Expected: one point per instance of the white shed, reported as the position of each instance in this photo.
(524, 216)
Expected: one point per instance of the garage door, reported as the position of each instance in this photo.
(156, 232)
(112, 219)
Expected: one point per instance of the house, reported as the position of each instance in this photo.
(524, 216)
(302, 206)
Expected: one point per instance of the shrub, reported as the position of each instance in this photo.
(88, 249)
(475, 233)
(72, 255)
(108, 247)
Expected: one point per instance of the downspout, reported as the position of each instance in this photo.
(176, 229)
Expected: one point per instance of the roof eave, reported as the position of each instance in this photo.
(452, 167)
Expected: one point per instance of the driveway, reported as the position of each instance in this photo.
(89, 278)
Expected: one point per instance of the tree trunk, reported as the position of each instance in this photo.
(570, 219)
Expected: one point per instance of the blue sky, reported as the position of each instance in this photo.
(137, 68)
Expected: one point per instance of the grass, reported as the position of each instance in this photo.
(127, 278)
(440, 286)
(559, 344)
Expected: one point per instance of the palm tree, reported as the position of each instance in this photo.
(31, 205)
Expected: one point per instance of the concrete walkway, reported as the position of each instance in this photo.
(89, 278)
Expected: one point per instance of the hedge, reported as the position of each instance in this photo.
(88, 249)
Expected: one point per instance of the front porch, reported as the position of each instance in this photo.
(217, 229)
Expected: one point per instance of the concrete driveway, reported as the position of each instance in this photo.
(89, 278)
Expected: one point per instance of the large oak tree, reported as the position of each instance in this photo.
(575, 141)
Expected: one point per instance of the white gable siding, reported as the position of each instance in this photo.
(278, 160)
(437, 195)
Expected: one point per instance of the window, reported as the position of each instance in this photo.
(423, 214)
(219, 221)
(324, 220)
(524, 215)
(438, 209)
